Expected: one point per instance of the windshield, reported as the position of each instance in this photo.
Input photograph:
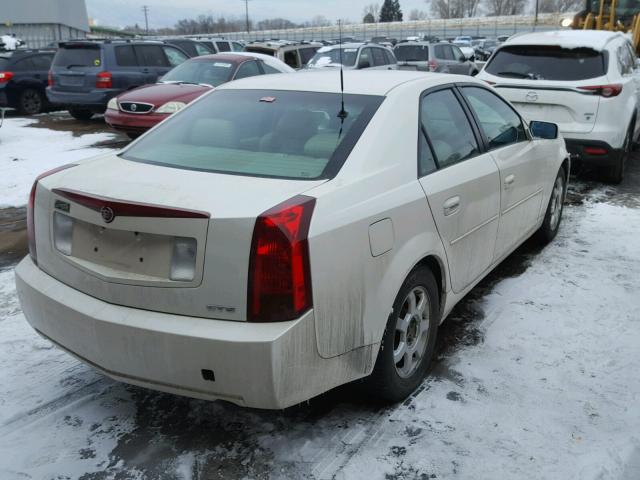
(536, 62)
(281, 134)
(412, 53)
(331, 57)
(77, 57)
(209, 72)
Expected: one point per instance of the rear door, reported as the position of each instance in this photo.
(442, 58)
(128, 73)
(551, 83)
(153, 61)
(462, 185)
(520, 161)
(458, 61)
(76, 65)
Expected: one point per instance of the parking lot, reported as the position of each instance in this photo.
(535, 374)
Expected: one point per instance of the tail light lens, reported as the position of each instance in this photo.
(595, 151)
(31, 231)
(433, 65)
(104, 80)
(50, 78)
(606, 91)
(5, 76)
(279, 269)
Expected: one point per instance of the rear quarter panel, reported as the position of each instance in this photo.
(354, 291)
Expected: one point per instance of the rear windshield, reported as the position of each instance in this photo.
(209, 72)
(331, 57)
(77, 57)
(412, 53)
(279, 134)
(547, 63)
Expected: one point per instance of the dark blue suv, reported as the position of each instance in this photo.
(23, 79)
(85, 75)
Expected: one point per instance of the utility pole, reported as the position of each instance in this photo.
(145, 9)
(246, 12)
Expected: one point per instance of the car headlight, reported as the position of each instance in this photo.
(171, 107)
(566, 22)
(113, 104)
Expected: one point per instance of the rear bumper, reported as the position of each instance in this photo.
(269, 365)
(133, 123)
(578, 149)
(95, 100)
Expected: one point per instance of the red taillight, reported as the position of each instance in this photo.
(5, 76)
(31, 231)
(607, 91)
(279, 286)
(104, 80)
(595, 151)
(433, 65)
(50, 78)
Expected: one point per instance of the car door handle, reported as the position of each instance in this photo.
(451, 206)
(509, 180)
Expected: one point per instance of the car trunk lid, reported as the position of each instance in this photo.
(138, 234)
(76, 65)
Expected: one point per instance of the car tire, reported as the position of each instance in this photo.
(30, 102)
(616, 174)
(553, 216)
(409, 338)
(82, 114)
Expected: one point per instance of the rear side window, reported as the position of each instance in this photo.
(269, 133)
(447, 128)
(125, 56)
(248, 69)
(77, 57)
(291, 58)
(4, 62)
(269, 69)
(42, 62)
(150, 56)
(538, 62)
(412, 53)
(307, 54)
(223, 46)
(23, 65)
(390, 58)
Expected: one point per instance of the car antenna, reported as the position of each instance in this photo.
(342, 114)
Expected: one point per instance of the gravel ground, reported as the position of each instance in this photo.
(536, 378)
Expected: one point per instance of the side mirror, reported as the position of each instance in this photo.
(544, 130)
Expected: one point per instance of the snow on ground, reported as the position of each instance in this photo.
(26, 152)
(550, 390)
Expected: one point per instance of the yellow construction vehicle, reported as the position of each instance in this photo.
(612, 15)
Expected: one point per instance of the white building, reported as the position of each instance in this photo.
(42, 22)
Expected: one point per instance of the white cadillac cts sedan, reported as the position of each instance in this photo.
(270, 242)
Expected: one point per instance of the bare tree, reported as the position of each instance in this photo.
(373, 9)
(416, 14)
(505, 7)
(559, 6)
(456, 8)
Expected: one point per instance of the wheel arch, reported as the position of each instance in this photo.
(435, 264)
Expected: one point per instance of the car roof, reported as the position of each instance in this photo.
(355, 81)
(595, 39)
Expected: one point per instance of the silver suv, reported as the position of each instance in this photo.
(294, 54)
(433, 57)
(355, 56)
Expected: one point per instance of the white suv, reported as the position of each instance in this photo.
(587, 82)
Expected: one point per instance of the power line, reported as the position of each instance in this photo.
(145, 9)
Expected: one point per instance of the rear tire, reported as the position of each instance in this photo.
(553, 217)
(30, 102)
(616, 174)
(409, 339)
(82, 114)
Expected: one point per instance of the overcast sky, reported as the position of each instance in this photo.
(165, 13)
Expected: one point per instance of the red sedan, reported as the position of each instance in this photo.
(138, 110)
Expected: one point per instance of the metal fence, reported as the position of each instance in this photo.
(442, 28)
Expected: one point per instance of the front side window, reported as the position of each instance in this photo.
(457, 53)
(542, 62)
(378, 57)
(175, 56)
(500, 124)
(237, 47)
(447, 128)
(223, 46)
(366, 60)
(440, 53)
(248, 69)
(269, 133)
(202, 49)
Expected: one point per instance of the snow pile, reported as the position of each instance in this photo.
(26, 152)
